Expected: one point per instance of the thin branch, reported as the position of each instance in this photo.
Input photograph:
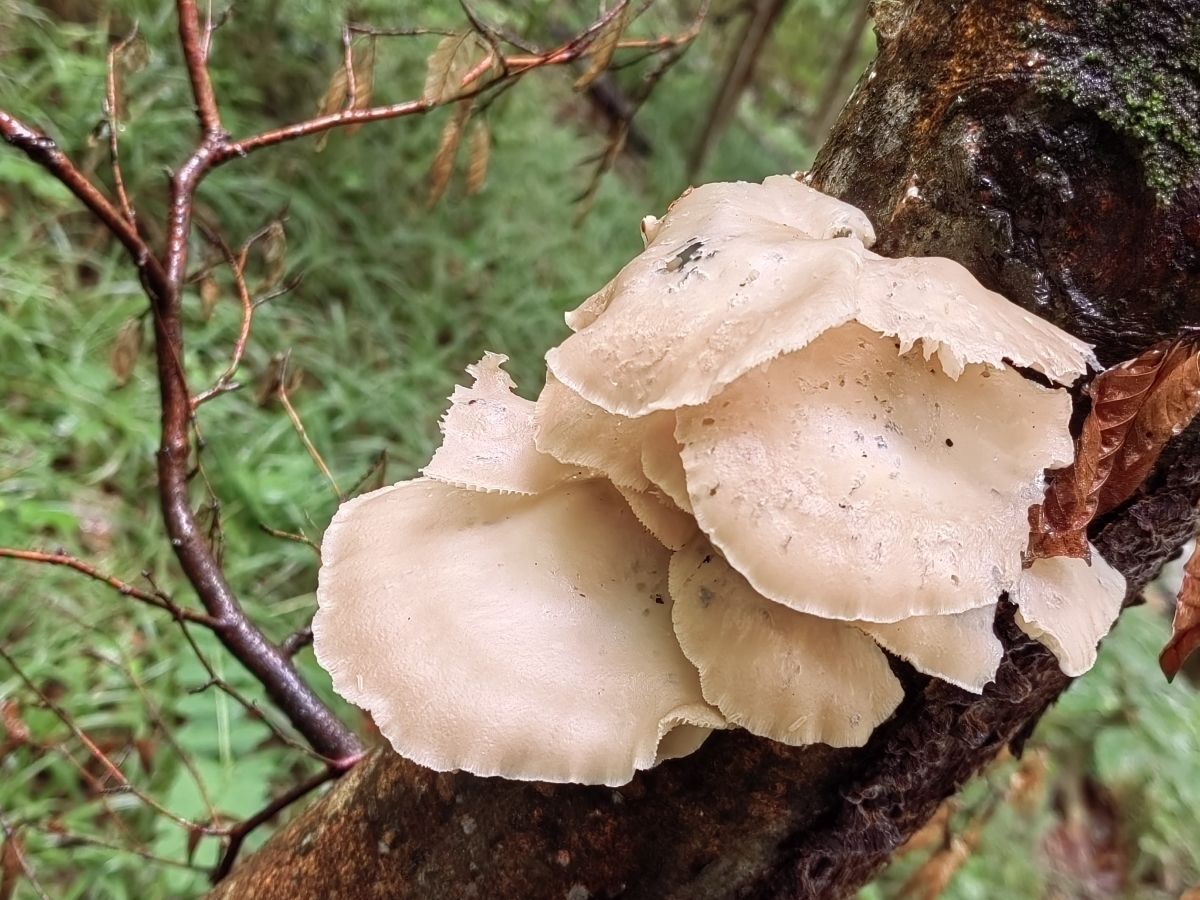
(12, 849)
(195, 57)
(156, 718)
(123, 783)
(156, 599)
(239, 833)
(45, 152)
(62, 838)
(282, 394)
(237, 265)
(215, 680)
(297, 641)
(289, 536)
(113, 112)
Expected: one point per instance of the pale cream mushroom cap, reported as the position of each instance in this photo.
(1069, 606)
(577, 432)
(525, 637)
(488, 442)
(737, 207)
(661, 461)
(962, 648)
(661, 517)
(937, 302)
(737, 274)
(850, 482)
(788, 676)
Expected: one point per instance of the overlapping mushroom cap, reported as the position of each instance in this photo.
(765, 456)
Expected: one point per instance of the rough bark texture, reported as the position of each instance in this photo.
(1052, 148)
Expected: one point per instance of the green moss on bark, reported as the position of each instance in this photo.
(1137, 68)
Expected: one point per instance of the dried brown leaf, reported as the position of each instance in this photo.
(933, 876)
(125, 350)
(364, 81)
(1122, 396)
(334, 99)
(480, 150)
(210, 293)
(443, 160)
(11, 865)
(1173, 403)
(14, 726)
(600, 53)
(274, 244)
(1185, 630)
(446, 67)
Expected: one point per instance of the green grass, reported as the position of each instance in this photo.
(396, 300)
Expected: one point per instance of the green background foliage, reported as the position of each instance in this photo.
(396, 300)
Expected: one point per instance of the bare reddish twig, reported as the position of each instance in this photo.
(238, 833)
(195, 56)
(297, 641)
(156, 599)
(113, 111)
(164, 277)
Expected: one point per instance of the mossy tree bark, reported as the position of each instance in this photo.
(1053, 147)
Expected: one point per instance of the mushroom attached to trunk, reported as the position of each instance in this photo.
(764, 457)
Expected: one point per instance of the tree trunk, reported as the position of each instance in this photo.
(1051, 146)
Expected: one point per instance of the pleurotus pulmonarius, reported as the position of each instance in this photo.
(764, 454)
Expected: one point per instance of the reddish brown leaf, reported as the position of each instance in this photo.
(334, 99)
(11, 865)
(443, 160)
(210, 293)
(125, 350)
(1185, 630)
(604, 46)
(480, 144)
(1173, 402)
(446, 67)
(14, 727)
(1136, 407)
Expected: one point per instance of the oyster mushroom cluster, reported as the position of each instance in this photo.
(764, 457)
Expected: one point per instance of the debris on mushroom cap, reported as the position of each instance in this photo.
(527, 637)
(689, 316)
(962, 649)
(737, 274)
(577, 432)
(489, 438)
(1069, 606)
(778, 673)
(849, 457)
(925, 299)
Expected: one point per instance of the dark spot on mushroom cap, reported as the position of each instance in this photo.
(706, 596)
(949, 443)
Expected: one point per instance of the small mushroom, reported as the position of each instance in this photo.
(488, 440)
(961, 649)
(520, 636)
(851, 482)
(1069, 605)
(792, 677)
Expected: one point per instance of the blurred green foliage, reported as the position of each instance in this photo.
(396, 300)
